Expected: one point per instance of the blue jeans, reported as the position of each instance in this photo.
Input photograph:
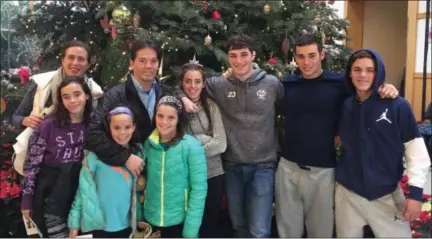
(250, 190)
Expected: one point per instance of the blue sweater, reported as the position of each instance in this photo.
(373, 133)
(312, 109)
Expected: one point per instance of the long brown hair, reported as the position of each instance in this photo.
(204, 100)
(61, 114)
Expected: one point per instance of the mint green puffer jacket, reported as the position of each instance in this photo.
(86, 213)
(176, 184)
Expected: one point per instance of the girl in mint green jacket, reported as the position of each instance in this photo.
(106, 197)
(176, 173)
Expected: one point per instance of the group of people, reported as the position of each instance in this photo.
(145, 152)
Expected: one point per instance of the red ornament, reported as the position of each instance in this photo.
(331, 2)
(272, 60)
(25, 74)
(216, 15)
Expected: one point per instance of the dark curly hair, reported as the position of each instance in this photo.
(240, 41)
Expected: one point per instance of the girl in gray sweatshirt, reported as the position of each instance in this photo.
(206, 125)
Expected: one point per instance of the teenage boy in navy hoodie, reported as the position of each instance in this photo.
(376, 134)
(305, 175)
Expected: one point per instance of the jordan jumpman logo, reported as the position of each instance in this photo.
(384, 117)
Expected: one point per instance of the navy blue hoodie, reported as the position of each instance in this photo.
(375, 135)
(312, 109)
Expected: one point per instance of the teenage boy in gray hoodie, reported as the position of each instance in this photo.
(248, 100)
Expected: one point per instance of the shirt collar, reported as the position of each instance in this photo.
(139, 87)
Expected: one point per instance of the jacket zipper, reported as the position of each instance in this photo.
(186, 199)
(162, 189)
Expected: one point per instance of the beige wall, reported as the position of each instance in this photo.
(385, 29)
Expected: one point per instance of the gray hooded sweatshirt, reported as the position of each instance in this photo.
(248, 111)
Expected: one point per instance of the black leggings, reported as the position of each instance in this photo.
(125, 233)
(210, 223)
(169, 232)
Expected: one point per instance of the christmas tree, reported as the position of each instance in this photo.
(184, 29)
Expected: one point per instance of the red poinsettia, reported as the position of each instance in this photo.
(420, 227)
(425, 217)
(416, 234)
(414, 226)
(4, 192)
(15, 191)
(404, 179)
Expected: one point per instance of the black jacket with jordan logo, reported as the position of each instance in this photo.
(376, 134)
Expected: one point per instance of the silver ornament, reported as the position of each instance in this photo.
(208, 40)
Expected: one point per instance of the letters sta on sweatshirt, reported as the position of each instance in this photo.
(376, 135)
(50, 144)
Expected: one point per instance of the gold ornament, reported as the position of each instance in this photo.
(279, 75)
(111, 5)
(267, 9)
(122, 15)
(136, 20)
(208, 40)
(2, 105)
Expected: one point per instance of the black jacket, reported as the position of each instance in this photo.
(26, 106)
(55, 191)
(98, 140)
